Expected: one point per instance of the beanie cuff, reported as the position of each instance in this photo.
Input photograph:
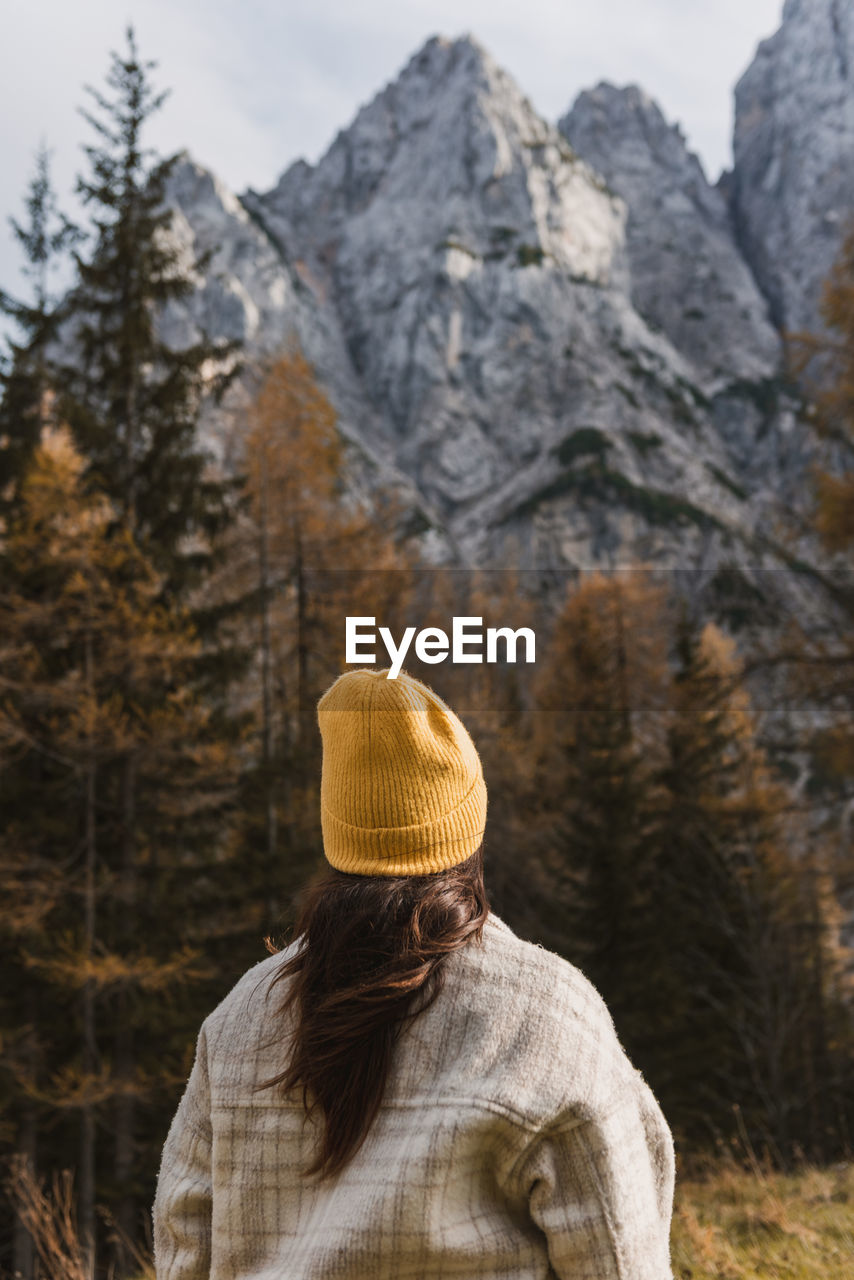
(420, 849)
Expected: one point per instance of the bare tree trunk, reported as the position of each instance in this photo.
(87, 1136)
(124, 1039)
(24, 1256)
(123, 1150)
(622, 663)
(23, 1252)
(302, 641)
(267, 693)
(302, 671)
(823, 1086)
(131, 436)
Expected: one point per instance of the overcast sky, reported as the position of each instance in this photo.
(256, 85)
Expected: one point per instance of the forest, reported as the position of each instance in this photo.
(167, 626)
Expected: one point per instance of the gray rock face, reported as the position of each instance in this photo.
(792, 184)
(253, 292)
(480, 303)
(687, 274)
(433, 225)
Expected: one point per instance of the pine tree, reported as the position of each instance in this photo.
(96, 670)
(134, 405)
(740, 961)
(697, 836)
(25, 377)
(132, 401)
(594, 760)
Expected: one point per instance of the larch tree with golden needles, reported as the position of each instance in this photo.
(95, 665)
(307, 555)
(818, 654)
(825, 364)
(739, 958)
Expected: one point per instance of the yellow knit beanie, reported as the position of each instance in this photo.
(402, 790)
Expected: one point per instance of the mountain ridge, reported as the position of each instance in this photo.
(548, 335)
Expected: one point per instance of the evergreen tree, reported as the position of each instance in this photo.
(25, 376)
(697, 836)
(132, 401)
(133, 405)
(666, 862)
(740, 961)
(96, 669)
(595, 767)
(26, 398)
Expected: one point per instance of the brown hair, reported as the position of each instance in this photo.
(371, 957)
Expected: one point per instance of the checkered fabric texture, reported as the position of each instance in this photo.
(515, 1140)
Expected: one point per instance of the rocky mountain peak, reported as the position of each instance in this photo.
(688, 277)
(450, 153)
(442, 85)
(432, 221)
(630, 119)
(792, 185)
(547, 339)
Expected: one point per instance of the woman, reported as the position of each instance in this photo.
(429, 1096)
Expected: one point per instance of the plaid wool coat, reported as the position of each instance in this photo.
(515, 1139)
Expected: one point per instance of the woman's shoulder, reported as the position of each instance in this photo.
(545, 1037)
(528, 970)
(250, 998)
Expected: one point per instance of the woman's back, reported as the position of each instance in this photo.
(514, 1139)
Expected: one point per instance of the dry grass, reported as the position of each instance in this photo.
(49, 1214)
(752, 1224)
